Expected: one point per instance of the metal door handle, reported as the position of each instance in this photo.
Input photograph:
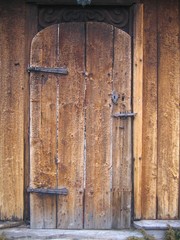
(124, 115)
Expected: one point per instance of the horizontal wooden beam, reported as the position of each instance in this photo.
(74, 2)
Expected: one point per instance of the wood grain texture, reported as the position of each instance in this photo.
(137, 108)
(168, 109)
(14, 91)
(71, 126)
(98, 126)
(121, 133)
(149, 151)
(75, 142)
(12, 23)
(43, 128)
(31, 25)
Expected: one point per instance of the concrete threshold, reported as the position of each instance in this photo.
(25, 233)
(156, 224)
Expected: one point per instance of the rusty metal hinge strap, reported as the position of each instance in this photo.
(61, 70)
(54, 191)
(124, 115)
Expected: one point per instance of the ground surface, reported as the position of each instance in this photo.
(16, 230)
(26, 233)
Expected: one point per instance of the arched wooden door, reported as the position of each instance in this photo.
(80, 144)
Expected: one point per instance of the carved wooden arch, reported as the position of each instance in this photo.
(118, 16)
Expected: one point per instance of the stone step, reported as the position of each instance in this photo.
(39, 234)
(156, 224)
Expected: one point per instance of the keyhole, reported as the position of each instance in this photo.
(115, 97)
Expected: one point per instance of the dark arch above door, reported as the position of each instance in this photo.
(118, 16)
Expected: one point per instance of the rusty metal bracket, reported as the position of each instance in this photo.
(124, 115)
(61, 70)
(52, 191)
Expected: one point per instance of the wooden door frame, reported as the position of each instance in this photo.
(93, 2)
(137, 92)
(137, 107)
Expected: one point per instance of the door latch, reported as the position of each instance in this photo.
(124, 115)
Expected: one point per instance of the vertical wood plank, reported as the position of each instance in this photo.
(137, 108)
(43, 128)
(98, 126)
(12, 23)
(168, 109)
(31, 26)
(149, 152)
(179, 118)
(71, 126)
(122, 142)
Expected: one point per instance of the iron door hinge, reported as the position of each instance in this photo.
(51, 191)
(61, 70)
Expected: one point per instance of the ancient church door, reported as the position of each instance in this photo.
(80, 127)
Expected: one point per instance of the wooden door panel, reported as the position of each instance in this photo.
(108, 142)
(43, 129)
(99, 62)
(76, 142)
(121, 132)
(71, 126)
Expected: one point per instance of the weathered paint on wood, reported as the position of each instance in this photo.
(149, 150)
(12, 55)
(71, 125)
(121, 134)
(137, 107)
(43, 128)
(98, 126)
(168, 109)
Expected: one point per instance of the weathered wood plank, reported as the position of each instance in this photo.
(71, 126)
(12, 23)
(31, 27)
(99, 63)
(168, 109)
(43, 152)
(121, 130)
(149, 153)
(137, 107)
